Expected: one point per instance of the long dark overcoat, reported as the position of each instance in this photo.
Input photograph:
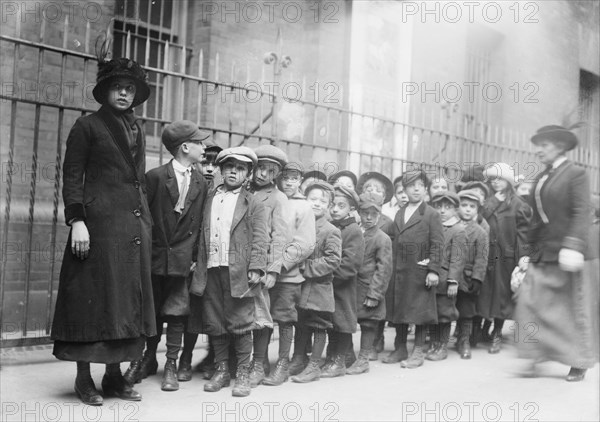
(408, 301)
(374, 274)
(345, 277)
(509, 221)
(107, 296)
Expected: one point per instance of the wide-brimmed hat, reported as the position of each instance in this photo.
(501, 171)
(121, 68)
(271, 153)
(180, 131)
(445, 195)
(387, 183)
(241, 153)
(556, 133)
(333, 178)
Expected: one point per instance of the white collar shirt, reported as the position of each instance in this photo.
(221, 218)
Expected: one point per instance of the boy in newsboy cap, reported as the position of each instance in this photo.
(232, 258)
(176, 192)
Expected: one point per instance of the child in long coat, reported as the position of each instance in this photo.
(417, 241)
(317, 303)
(475, 266)
(344, 281)
(451, 274)
(508, 216)
(373, 278)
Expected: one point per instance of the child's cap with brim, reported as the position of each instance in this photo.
(370, 200)
(471, 194)
(320, 185)
(348, 193)
(446, 196)
(241, 153)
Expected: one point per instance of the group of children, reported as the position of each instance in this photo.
(244, 239)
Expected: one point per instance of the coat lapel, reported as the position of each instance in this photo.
(171, 184)
(415, 218)
(240, 208)
(118, 136)
(193, 191)
(553, 176)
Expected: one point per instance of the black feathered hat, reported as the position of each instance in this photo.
(121, 68)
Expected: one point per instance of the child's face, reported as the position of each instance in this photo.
(194, 151)
(234, 173)
(499, 185)
(468, 209)
(415, 191)
(446, 209)
(208, 167)
(121, 93)
(400, 195)
(340, 208)
(265, 173)
(290, 182)
(437, 185)
(374, 185)
(369, 217)
(319, 201)
(344, 181)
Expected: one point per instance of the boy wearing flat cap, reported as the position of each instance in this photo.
(270, 162)
(344, 281)
(176, 194)
(232, 258)
(451, 273)
(475, 267)
(373, 181)
(317, 303)
(417, 236)
(373, 278)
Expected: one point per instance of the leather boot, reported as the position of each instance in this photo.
(576, 374)
(241, 387)
(312, 372)
(462, 345)
(116, 386)
(266, 366)
(86, 391)
(440, 353)
(475, 335)
(221, 378)
(148, 366)
(132, 375)
(361, 365)
(257, 373)
(398, 355)
(350, 358)
(485, 331)
(373, 355)
(416, 359)
(207, 366)
(298, 364)
(496, 343)
(432, 348)
(184, 372)
(280, 374)
(379, 344)
(464, 349)
(169, 381)
(337, 368)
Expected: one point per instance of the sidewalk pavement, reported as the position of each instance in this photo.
(34, 386)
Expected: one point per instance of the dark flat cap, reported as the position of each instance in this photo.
(271, 153)
(320, 185)
(471, 194)
(348, 193)
(241, 153)
(180, 131)
(333, 178)
(414, 175)
(445, 196)
(315, 174)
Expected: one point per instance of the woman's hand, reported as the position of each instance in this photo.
(80, 240)
(500, 196)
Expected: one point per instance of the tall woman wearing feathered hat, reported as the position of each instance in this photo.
(558, 299)
(104, 307)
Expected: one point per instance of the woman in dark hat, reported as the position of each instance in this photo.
(553, 300)
(104, 308)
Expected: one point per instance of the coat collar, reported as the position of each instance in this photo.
(414, 219)
(120, 137)
(343, 223)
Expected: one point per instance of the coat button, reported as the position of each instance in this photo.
(191, 233)
(136, 184)
(137, 213)
(137, 240)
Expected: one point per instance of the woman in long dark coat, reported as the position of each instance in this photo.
(508, 216)
(104, 307)
(558, 301)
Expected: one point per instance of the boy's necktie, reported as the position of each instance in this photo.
(184, 190)
(537, 194)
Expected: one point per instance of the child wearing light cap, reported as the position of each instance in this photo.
(451, 274)
(232, 258)
(175, 235)
(317, 303)
(344, 282)
(373, 278)
(475, 267)
(271, 161)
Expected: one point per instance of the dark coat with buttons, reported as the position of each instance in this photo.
(107, 296)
